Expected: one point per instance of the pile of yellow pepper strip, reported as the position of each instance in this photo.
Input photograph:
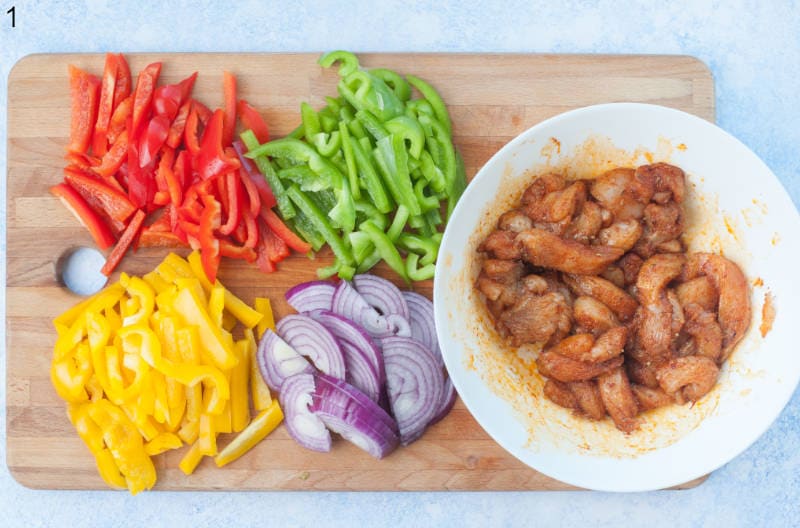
(150, 364)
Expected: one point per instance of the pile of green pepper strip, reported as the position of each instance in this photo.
(368, 173)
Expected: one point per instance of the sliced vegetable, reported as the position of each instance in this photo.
(124, 242)
(258, 429)
(311, 296)
(85, 91)
(421, 319)
(303, 425)
(277, 360)
(99, 230)
(382, 295)
(348, 303)
(312, 340)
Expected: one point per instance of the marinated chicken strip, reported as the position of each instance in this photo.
(592, 316)
(641, 373)
(669, 181)
(565, 369)
(620, 192)
(655, 316)
(542, 186)
(587, 224)
(557, 205)
(622, 234)
(688, 378)
(622, 304)
(502, 245)
(589, 400)
(650, 398)
(630, 265)
(584, 347)
(544, 249)
(672, 246)
(560, 394)
(704, 329)
(499, 280)
(515, 221)
(615, 275)
(700, 291)
(537, 319)
(618, 399)
(662, 223)
(733, 309)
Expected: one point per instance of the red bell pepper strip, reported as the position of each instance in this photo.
(85, 91)
(84, 161)
(229, 95)
(141, 184)
(119, 119)
(283, 232)
(151, 238)
(203, 112)
(186, 86)
(264, 264)
(252, 120)
(235, 194)
(143, 95)
(182, 169)
(85, 214)
(114, 158)
(210, 221)
(190, 132)
(99, 194)
(124, 82)
(123, 243)
(270, 245)
(264, 190)
(167, 101)
(253, 235)
(174, 186)
(152, 139)
(178, 125)
(251, 190)
(106, 105)
(161, 198)
(211, 159)
(226, 249)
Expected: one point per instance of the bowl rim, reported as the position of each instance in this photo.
(440, 315)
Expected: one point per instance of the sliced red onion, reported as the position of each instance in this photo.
(414, 383)
(314, 341)
(362, 357)
(277, 360)
(303, 424)
(311, 296)
(381, 294)
(358, 420)
(348, 303)
(421, 319)
(446, 401)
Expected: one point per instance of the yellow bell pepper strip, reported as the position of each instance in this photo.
(161, 443)
(69, 375)
(239, 403)
(216, 304)
(113, 319)
(71, 315)
(140, 290)
(94, 389)
(207, 438)
(193, 284)
(259, 391)
(229, 322)
(264, 307)
(181, 267)
(98, 331)
(98, 302)
(191, 459)
(108, 469)
(222, 421)
(189, 430)
(176, 393)
(262, 425)
(241, 311)
(87, 429)
(68, 340)
(166, 299)
(192, 310)
(196, 265)
(156, 281)
(160, 405)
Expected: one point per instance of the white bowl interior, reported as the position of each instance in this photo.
(735, 206)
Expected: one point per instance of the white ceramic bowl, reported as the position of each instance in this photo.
(735, 205)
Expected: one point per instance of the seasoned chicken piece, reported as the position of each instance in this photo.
(619, 191)
(651, 398)
(669, 181)
(537, 319)
(733, 309)
(499, 280)
(588, 396)
(622, 234)
(592, 316)
(655, 316)
(502, 245)
(544, 249)
(630, 264)
(678, 318)
(559, 393)
(565, 369)
(662, 223)
(586, 225)
(672, 246)
(705, 331)
(542, 186)
(618, 399)
(615, 275)
(535, 284)
(700, 291)
(688, 378)
(514, 220)
(622, 304)
(557, 205)
(641, 373)
(584, 347)
(575, 347)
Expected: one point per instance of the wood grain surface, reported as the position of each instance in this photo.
(491, 98)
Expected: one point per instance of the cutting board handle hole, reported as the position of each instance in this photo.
(78, 270)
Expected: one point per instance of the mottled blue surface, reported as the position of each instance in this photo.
(753, 49)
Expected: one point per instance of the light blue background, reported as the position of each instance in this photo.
(753, 49)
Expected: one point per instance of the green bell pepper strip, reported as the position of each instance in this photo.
(334, 104)
(370, 179)
(345, 272)
(392, 159)
(347, 115)
(350, 160)
(369, 211)
(321, 224)
(327, 144)
(369, 262)
(399, 86)
(428, 247)
(361, 245)
(418, 274)
(348, 62)
(419, 223)
(285, 206)
(432, 96)
(305, 178)
(398, 222)
(306, 230)
(329, 123)
(367, 92)
(298, 132)
(436, 134)
(426, 203)
(434, 218)
(431, 172)
(418, 107)
(291, 149)
(372, 124)
(386, 248)
(459, 184)
(311, 126)
(409, 129)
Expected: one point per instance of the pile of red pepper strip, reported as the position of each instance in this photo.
(149, 165)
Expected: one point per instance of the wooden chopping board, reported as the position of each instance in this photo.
(491, 97)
